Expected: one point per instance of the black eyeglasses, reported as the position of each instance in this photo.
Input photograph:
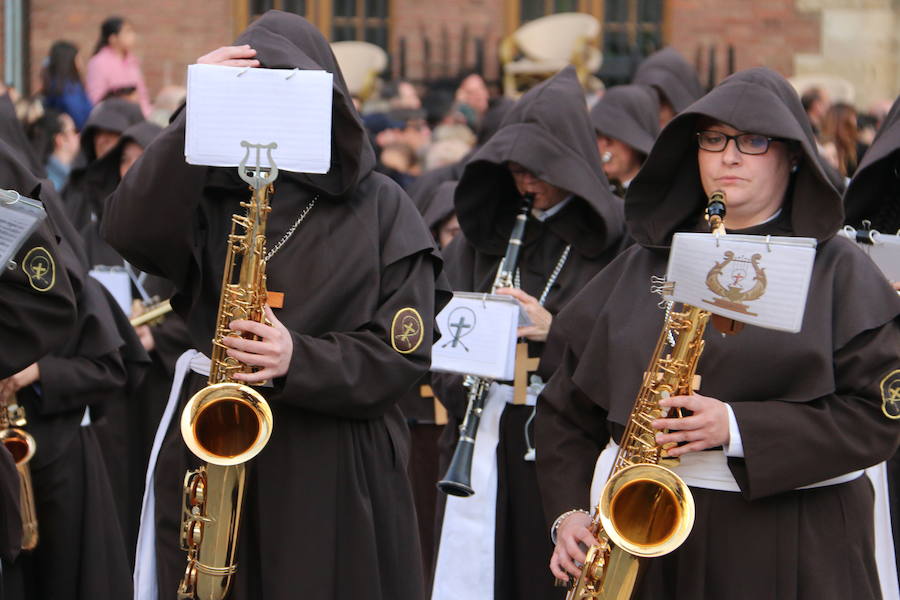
(747, 143)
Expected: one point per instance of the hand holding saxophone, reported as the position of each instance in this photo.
(572, 537)
(272, 351)
(706, 428)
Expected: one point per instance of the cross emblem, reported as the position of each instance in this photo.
(39, 269)
(524, 365)
(409, 329)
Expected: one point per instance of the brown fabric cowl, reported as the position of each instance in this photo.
(671, 75)
(549, 133)
(630, 114)
(667, 196)
(874, 191)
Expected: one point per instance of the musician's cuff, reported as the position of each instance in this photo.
(735, 447)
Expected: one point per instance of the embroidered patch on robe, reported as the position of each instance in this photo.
(406, 330)
(40, 269)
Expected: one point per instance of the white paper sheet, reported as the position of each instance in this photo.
(761, 280)
(882, 248)
(118, 283)
(18, 221)
(478, 336)
(226, 105)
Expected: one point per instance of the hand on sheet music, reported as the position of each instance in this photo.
(540, 318)
(230, 56)
(572, 539)
(272, 351)
(706, 427)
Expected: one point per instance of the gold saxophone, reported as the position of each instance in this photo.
(646, 510)
(21, 445)
(227, 423)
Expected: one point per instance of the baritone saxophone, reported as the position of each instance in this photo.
(227, 423)
(645, 509)
(21, 446)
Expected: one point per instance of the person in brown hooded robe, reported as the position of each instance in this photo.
(872, 201)
(626, 120)
(38, 318)
(80, 551)
(127, 430)
(105, 125)
(672, 78)
(807, 407)
(328, 511)
(544, 146)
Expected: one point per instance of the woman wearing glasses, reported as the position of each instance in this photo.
(791, 420)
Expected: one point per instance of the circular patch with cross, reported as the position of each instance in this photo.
(40, 269)
(890, 395)
(406, 330)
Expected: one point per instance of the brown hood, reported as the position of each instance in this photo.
(671, 75)
(102, 176)
(288, 41)
(666, 196)
(630, 114)
(549, 132)
(13, 133)
(114, 114)
(873, 192)
(439, 206)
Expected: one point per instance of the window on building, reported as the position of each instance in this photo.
(365, 20)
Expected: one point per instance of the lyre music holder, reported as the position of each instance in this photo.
(259, 176)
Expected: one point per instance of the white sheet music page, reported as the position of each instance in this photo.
(478, 336)
(759, 280)
(226, 105)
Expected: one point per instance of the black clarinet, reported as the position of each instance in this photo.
(458, 479)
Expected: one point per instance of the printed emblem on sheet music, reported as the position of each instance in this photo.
(40, 269)
(732, 281)
(407, 330)
(461, 323)
(890, 395)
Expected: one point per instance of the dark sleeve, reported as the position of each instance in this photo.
(34, 321)
(91, 365)
(151, 217)
(359, 374)
(789, 444)
(570, 432)
(170, 339)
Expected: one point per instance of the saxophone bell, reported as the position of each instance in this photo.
(21, 446)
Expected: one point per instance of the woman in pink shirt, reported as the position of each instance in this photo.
(114, 66)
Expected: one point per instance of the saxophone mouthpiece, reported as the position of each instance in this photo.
(715, 212)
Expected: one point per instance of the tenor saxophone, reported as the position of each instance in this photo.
(227, 423)
(645, 509)
(22, 446)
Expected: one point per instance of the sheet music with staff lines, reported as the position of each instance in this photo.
(226, 105)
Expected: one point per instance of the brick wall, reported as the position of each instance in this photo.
(764, 32)
(171, 33)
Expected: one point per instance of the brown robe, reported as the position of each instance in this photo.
(873, 195)
(548, 131)
(328, 512)
(808, 405)
(80, 541)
